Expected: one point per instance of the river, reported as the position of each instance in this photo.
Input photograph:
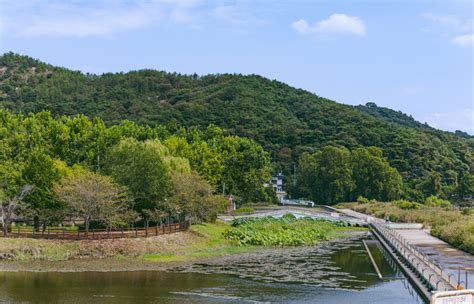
(335, 272)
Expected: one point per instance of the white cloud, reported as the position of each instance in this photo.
(301, 26)
(55, 18)
(237, 14)
(452, 22)
(451, 121)
(80, 18)
(460, 31)
(338, 24)
(464, 40)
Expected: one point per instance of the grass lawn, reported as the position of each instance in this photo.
(211, 242)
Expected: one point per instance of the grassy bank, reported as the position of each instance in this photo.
(211, 242)
(200, 242)
(449, 224)
(203, 240)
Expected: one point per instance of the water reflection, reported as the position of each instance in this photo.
(342, 264)
(338, 272)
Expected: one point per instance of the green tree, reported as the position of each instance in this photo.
(465, 186)
(246, 168)
(431, 184)
(194, 197)
(328, 175)
(12, 191)
(373, 177)
(41, 172)
(145, 168)
(92, 196)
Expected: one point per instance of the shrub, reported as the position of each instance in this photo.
(406, 205)
(288, 216)
(362, 200)
(434, 201)
(459, 234)
(466, 211)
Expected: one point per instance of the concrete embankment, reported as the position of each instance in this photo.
(455, 264)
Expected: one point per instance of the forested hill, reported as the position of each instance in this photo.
(285, 120)
(392, 116)
(400, 118)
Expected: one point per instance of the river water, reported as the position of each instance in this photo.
(336, 272)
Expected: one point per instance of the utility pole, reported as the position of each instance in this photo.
(294, 174)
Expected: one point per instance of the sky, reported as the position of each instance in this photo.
(415, 56)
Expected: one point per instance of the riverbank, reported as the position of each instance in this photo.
(200, 243)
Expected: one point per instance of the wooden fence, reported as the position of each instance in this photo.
(95, 234)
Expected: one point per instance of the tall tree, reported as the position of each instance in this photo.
(195, 198)
(373, 176)
(40, 171)
(328, 175)
(12, 192)
(431, 184)
(145, 168)
(465, 186)
(246, 168)
(92, 196)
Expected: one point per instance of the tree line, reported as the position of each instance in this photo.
(286, 121)
(78, 168)
(336, 174)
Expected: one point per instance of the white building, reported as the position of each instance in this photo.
(277, 184)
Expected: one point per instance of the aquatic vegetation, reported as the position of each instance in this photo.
(285, 231)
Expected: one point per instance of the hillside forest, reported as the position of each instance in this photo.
(148, 137)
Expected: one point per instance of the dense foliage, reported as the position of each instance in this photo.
(91, 196)
(285, 120)
(334, 175)
(38, 153)
(285, 231)
(449, 224)
(392, 116)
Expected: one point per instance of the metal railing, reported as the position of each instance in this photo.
(433, 275)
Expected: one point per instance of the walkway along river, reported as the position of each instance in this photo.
(428, 274)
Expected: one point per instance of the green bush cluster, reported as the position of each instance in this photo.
(406, 205)
(285, 231)
(434, 201)
(362, 200)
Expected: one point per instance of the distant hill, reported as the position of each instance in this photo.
(285, 120)
(400, 118)
(392, 116)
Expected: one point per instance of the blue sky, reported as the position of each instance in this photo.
(410, 55)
